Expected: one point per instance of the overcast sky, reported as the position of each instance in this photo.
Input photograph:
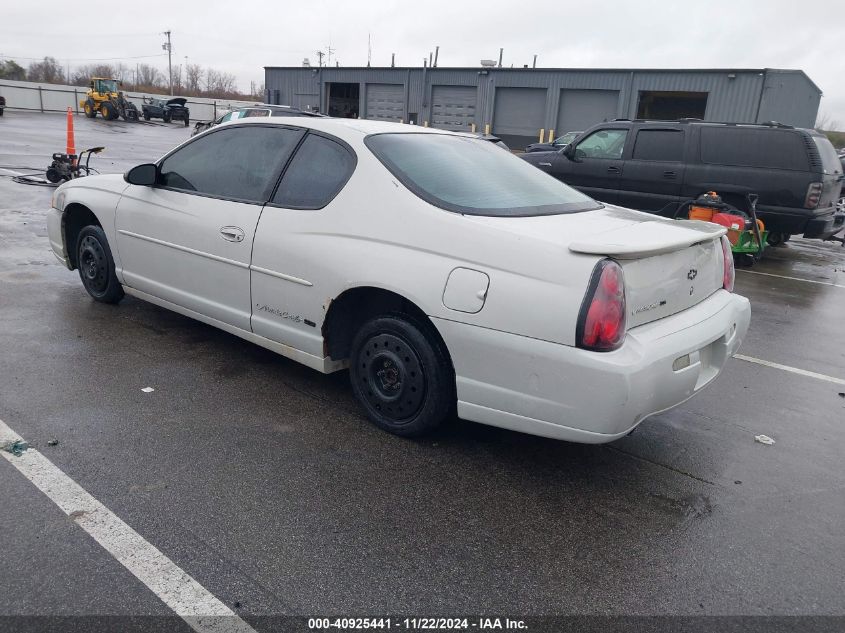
(243, 37)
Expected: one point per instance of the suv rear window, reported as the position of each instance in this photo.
(830, 159)
(753, 147)
(473, 176)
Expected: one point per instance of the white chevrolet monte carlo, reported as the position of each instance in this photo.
(448, 275)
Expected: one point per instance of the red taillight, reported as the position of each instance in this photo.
(729, 273)
(601, 324)
(814, 194)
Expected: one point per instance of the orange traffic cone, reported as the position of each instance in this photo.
(71, 144)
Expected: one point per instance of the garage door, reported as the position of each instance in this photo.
(579, 109)
(386, 102)
(453, 107)
(518, 115)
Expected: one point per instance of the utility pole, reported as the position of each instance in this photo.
(320, 58)
(436, 54)
(167, 46)
(534, 65)
(369, 50)
(501, 50)
(329, 51)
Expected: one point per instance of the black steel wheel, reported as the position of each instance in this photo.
(96, 266)
(402, 375)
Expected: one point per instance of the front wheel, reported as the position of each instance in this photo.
(96, 266)
(402, 375)
(146, 116)
(187, 121)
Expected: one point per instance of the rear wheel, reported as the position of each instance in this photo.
(166, 117)
(96, 266)
(187, 121)
(402, 375)
(775, 238)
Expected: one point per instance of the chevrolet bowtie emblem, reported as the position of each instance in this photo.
(692, 274)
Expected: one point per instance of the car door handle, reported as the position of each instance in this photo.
(669, 174)
(614, 170)
(545, 164)
(232, 233)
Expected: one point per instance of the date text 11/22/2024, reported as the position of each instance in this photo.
(418, 624)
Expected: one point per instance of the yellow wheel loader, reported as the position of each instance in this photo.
(106, 97)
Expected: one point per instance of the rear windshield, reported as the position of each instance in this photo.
(830, 159)
(474, 177)
(753, 147)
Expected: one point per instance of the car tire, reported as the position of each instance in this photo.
(146, 116)
(187, 121)
(165, 117)
(96, 265)
(89, 109)
(402, 375)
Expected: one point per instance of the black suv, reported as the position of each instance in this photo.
(655, 166)
(169, 110)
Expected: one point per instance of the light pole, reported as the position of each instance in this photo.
(166, 46)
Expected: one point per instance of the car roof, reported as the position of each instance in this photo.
(346, 129)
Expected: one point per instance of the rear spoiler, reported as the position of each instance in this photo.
(648, 238)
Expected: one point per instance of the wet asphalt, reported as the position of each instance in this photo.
(263, 480)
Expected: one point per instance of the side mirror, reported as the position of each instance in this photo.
(568, 150)
(145, 175)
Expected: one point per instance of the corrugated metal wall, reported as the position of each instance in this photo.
(732, 95)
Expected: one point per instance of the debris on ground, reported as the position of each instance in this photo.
(764, 439)
(15, 447)
(842, 394)
(52, 442)
(147, 389)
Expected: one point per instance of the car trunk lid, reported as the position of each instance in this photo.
(668, 266)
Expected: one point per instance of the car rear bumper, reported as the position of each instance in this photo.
(572, 394)
(812, 223)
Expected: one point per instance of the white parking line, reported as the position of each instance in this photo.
(179, 591)
(809, 281)
(794, 370)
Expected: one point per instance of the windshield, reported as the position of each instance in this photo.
(475, 177)
(107, 85)
(830, 161)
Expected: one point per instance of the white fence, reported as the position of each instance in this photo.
(38, 97)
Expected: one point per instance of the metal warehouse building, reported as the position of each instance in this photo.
(517, 103)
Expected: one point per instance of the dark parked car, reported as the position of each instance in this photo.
(655, 166)
(559, 143)
(259, 110)
(168, 110)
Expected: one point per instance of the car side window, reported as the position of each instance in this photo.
(239, 162)
(255, 113)
(603, 144)
(317, 173)
(659, 145)
(227, 117)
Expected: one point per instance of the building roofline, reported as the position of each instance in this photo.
(758, 71)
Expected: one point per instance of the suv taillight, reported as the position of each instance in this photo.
(601, 323)
(728, 272)
(814, 194)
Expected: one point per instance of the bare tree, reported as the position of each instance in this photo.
(47, 71)
(149, 77)
(826, 123)
(193, 76)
